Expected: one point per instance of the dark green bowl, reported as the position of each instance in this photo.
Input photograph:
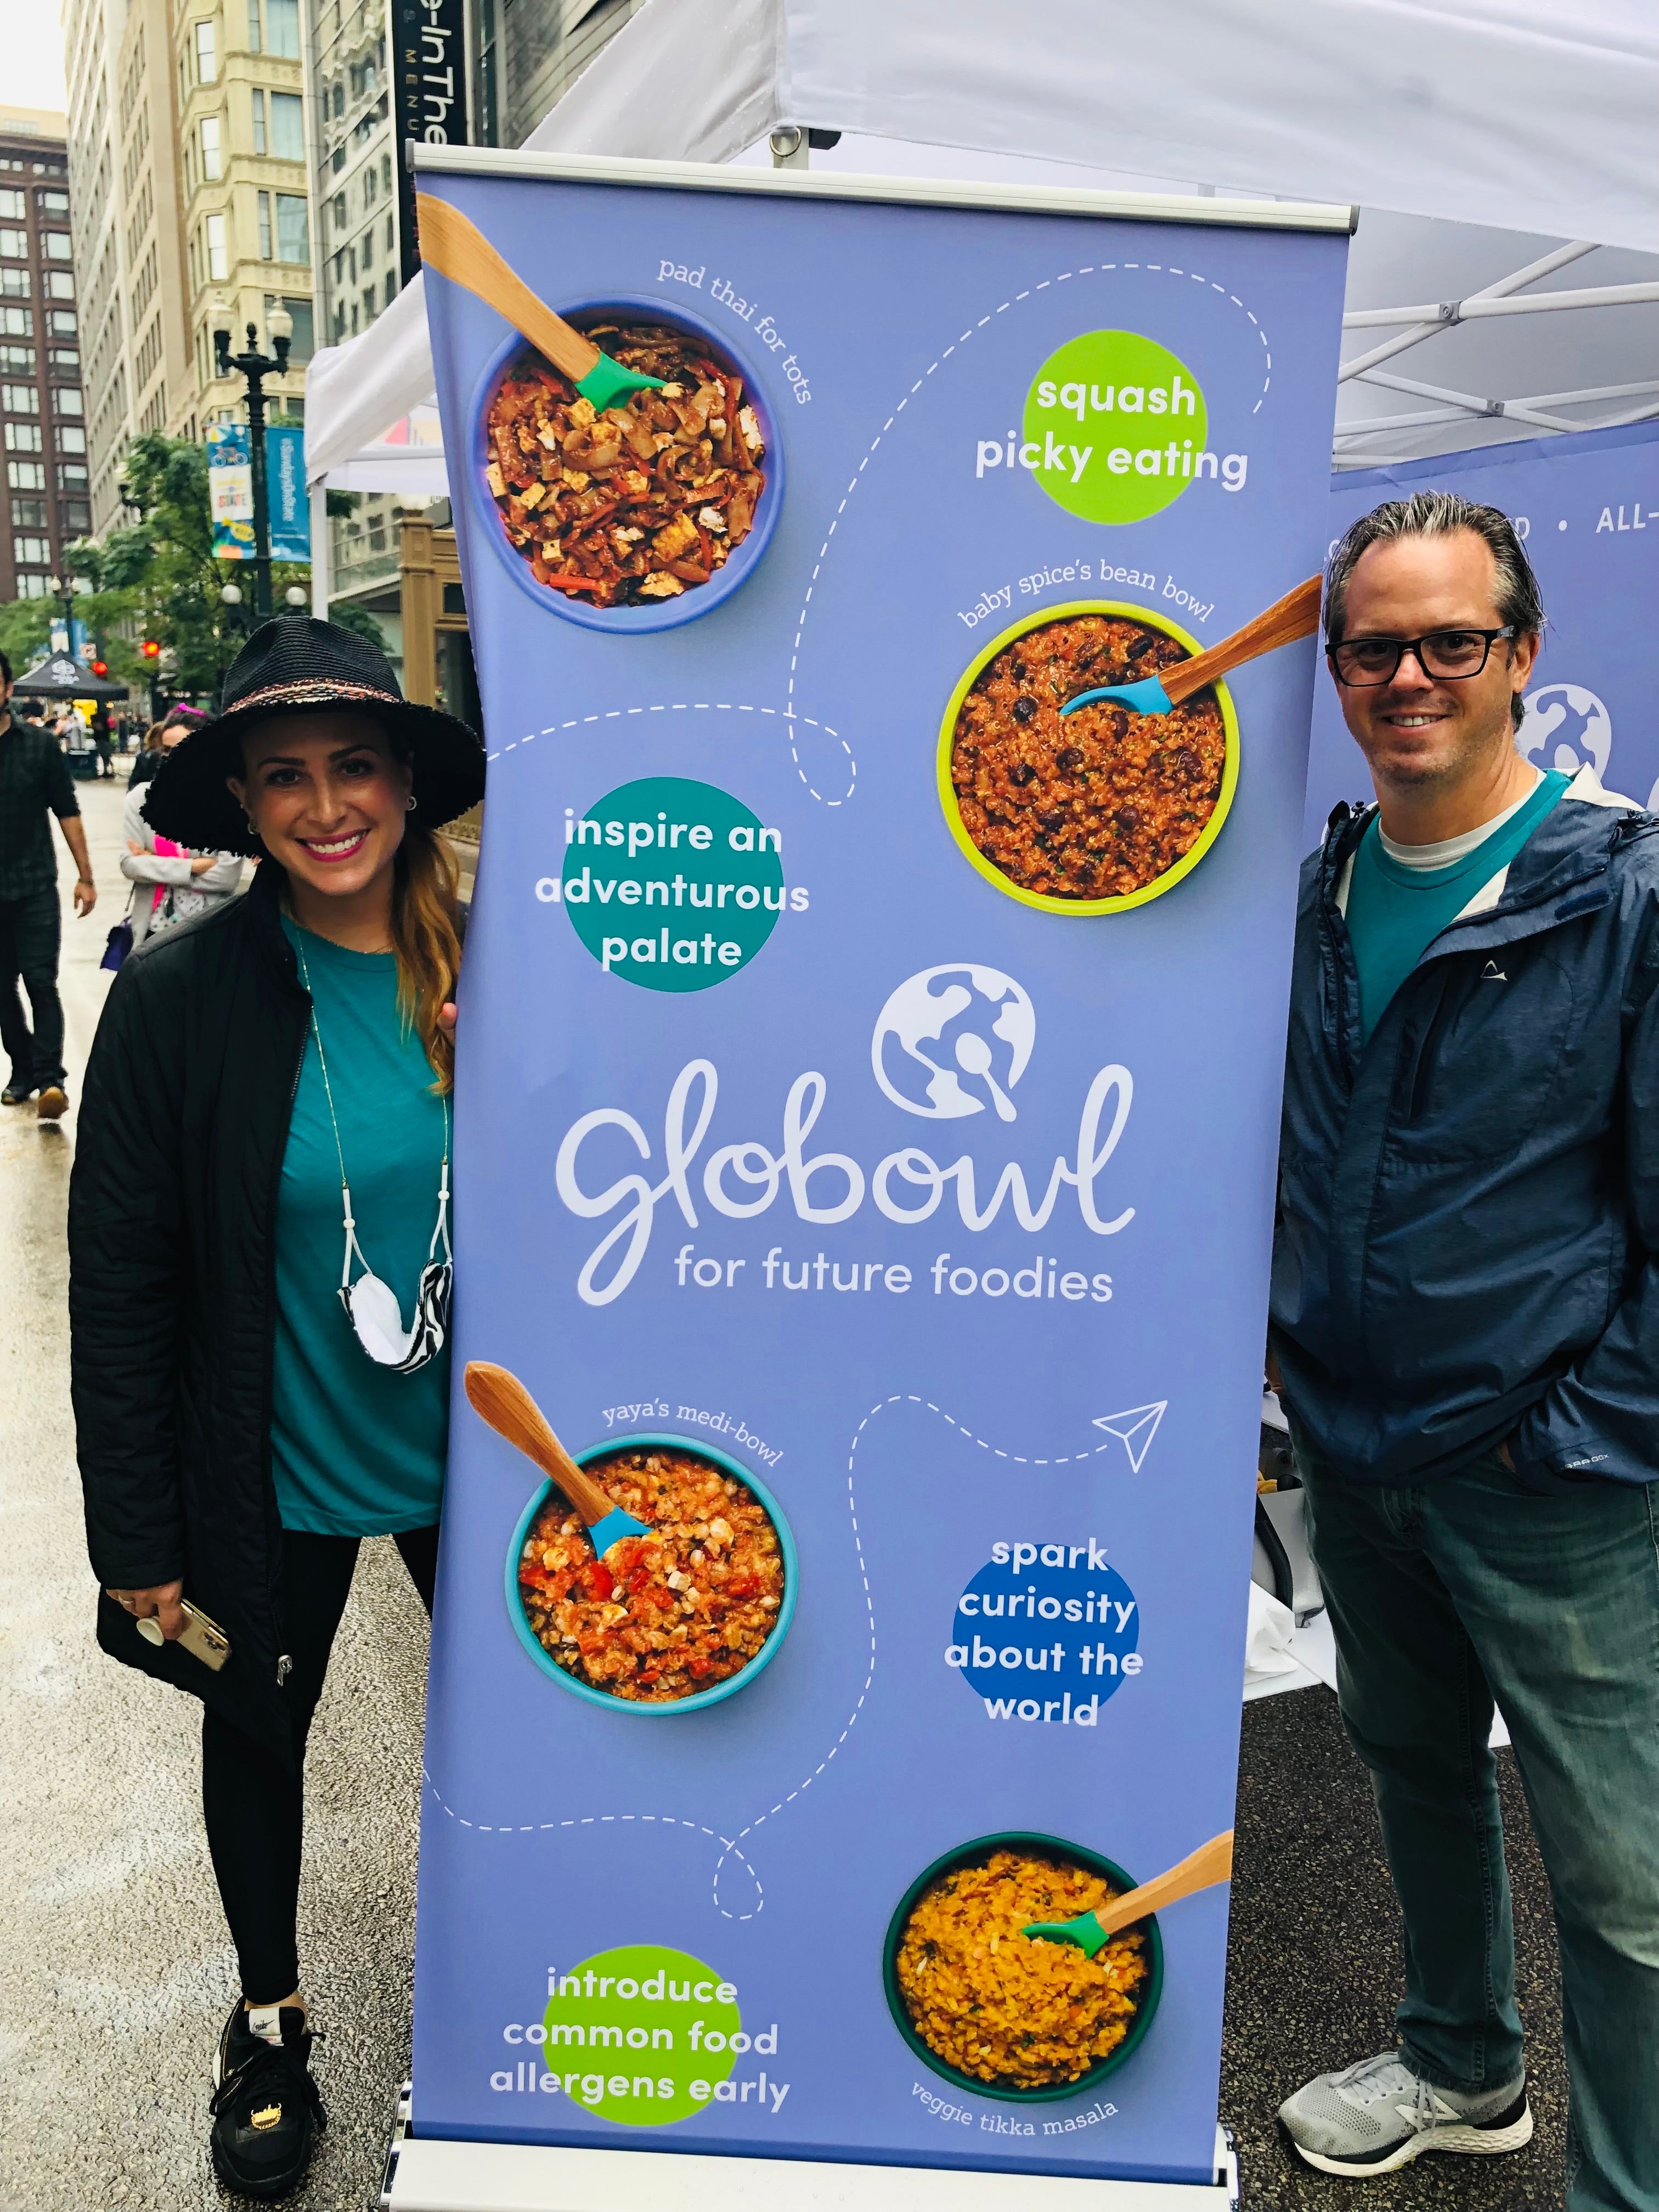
(967, 1854)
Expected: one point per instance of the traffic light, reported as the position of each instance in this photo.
(150, 650)
(101, 668)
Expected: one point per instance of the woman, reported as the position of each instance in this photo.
(244, 1415)
(170, 884)
(158, 741)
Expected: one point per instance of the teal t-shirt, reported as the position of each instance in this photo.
(357, 1451)
(1395, 913)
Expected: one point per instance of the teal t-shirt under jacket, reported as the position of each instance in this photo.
(357, 1451)
(1395, 912)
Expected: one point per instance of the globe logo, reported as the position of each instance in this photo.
(1567, 727)
(952, 1040)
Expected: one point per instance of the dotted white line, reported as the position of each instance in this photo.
(786, 714)
(1091, 269)
(729, 1844)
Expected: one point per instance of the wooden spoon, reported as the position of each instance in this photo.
(501, 1399)
(1210, 1863)
(1296, 614)
(457, 249)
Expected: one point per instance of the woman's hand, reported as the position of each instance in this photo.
(133, 846)
(202, 862)
(161, 1599)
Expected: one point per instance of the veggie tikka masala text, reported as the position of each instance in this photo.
(643, 502)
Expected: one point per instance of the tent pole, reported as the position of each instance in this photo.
(320, 575)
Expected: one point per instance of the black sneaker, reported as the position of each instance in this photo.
(267, 2111)
(16, 1093)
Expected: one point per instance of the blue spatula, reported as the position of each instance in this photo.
(1296, 614)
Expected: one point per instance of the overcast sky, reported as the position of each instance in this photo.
(32, 40)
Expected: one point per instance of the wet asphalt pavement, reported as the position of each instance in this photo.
(115, 1969)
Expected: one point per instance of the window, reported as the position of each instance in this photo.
(288, 136)
(31, 588)
(15, 245)
(13, 284)
(77, 517)
(66, 398)
(369, 249)
(28, 513)
(15, 204)
(52, 203)
(19, 359)
(258, 119)
(71, 475)
(30, 549)
(388, 234)
(70, 439)
(211, 166)
(56, 243)
(23, 438)
(371, 304)
(60, 284)
(207, 57)
(19, 398)
(26, 475)
(369, 184)
(390, 286)
(61, 321)
(283, 27)
(218, 258)
(339, 100)
(339, 211)
(264, 225)
(62, 357)
(16, 322)
(253, 25)
(293, 229)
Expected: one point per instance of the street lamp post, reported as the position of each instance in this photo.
(63, 590)
(254, 367)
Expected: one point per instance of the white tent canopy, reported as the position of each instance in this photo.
(1468, 122)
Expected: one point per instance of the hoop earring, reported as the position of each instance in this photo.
(408, 804)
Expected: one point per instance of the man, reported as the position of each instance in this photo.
(35, 779)
(1466, 1317)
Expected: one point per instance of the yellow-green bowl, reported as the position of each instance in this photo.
(1044, 901)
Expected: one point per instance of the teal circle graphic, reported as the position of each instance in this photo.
(671, 883)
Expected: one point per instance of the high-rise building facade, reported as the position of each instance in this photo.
(360, 249)
(528, 53)
(246, 214)
(124, 185)
(43, 503)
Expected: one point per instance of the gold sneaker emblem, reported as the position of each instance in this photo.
(266, 2117)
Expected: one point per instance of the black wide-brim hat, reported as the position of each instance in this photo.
(289, 666)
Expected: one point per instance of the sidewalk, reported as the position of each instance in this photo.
(118, 1973)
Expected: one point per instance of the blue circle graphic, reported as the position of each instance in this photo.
(1049, 1626)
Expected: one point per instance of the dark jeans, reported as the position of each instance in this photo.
(1441, 1597)
(254, 1806)
(31, 930)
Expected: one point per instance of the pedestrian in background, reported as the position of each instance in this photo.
(170, 884)
(1465, 1319)
(34, 785)
(171, 726)
(244, 1419)
(100, 742)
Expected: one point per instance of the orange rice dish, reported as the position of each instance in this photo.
(664, 1615)
(1010, 2009)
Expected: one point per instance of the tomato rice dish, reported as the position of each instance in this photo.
(666, 1614)
(1091, 806)
(641, 503)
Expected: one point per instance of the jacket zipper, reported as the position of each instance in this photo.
(284, 1662)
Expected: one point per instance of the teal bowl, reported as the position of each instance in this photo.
(971, 1854)
(732, 1683)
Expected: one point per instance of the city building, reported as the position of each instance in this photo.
(528, 53)
(246, 212)
(43, 503)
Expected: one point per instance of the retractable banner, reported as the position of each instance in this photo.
(1588, 508)
(866, 1131)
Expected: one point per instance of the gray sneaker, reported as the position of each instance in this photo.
(1379, 2115)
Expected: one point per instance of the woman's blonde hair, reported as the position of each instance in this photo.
(425, 935)
(153, 737)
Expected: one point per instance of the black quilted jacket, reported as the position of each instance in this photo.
(172, 1231)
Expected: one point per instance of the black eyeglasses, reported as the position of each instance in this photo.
(1448, 655)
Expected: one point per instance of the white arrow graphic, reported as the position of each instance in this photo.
(1134, 1428)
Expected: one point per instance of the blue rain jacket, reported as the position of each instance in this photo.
(1468, 1240)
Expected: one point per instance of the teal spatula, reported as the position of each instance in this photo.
(1210, 1863)
(499, 1397)
(457, 249)
(1296, 614)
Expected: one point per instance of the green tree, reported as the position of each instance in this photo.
(360, 623)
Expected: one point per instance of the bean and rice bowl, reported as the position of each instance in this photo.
(1004, 2008)
(665, 1615)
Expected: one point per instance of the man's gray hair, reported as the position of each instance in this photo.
(1440, 515)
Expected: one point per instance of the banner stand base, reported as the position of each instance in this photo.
(425, 2174)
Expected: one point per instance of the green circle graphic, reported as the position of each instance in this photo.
(671, 884)
(629, 2038)
(1113, 426)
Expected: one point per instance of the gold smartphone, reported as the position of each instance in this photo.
(201, 1636)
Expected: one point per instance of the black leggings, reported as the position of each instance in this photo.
(254, 1806)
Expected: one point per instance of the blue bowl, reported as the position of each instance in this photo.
(732, 1683)
(666, 614)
